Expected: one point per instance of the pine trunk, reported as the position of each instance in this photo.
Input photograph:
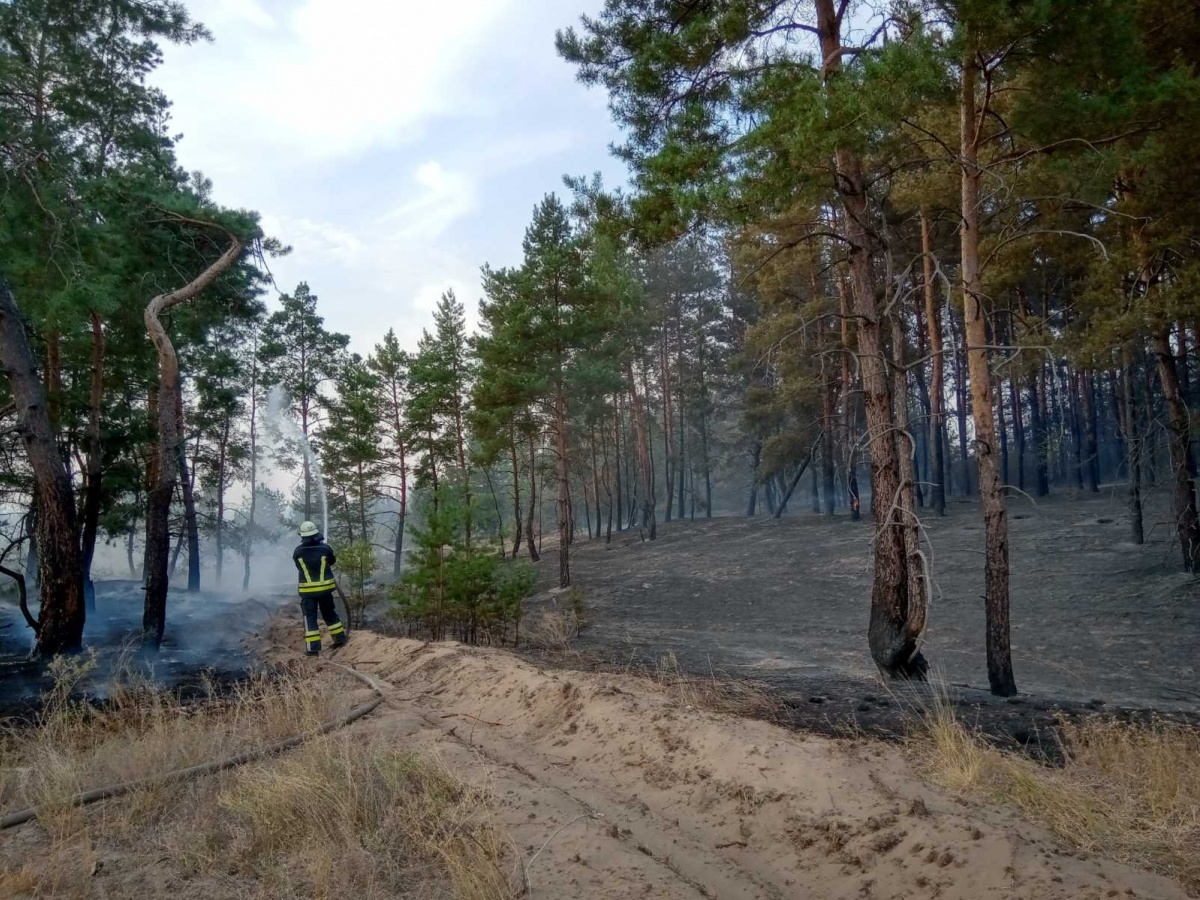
(93, 483)
(169, 451)
(534, 555)
(898, 591)
(1091, 429)
(60, 571)
(1187, 523)
(991, 491)
(937, 387)
(1133, 442)
(564, 489)
(190, 520)
(645, 464)
(516, 480)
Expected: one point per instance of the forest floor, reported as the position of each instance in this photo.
(485, 776)
(1097, 622)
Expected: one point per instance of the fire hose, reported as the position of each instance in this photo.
(209, 768)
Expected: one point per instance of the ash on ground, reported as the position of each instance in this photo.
(208, 643)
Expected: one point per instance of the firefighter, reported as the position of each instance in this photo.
(314, 561)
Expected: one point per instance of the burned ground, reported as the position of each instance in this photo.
(205, 646)
(1098, 623)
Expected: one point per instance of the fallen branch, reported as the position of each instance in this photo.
(22, 596)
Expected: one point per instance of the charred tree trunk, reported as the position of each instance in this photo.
(991, 491)
(516, 477)
(534, 555)
(668, 428)
(962, 397)
(1075, 395)
(93, 483)
(1129, 423)
(645, 464)
(248, 543)
(827, 460)
(937, 387)
(755, 457)
(191, 523)
(219, 519)
(617, 459)
(1187, 523)
(60, 570)
(1091, 426)
(898, 591)
(169, 449)
(1014, 398)
(1040, 451)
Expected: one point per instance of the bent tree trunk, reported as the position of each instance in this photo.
(168, 450)
(60, 570)
(991, 488)
(898, 598)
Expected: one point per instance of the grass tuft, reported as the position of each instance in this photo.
(1130, 792)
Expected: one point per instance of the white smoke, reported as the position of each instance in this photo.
(279, 419)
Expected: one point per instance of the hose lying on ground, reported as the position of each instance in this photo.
(117, 790)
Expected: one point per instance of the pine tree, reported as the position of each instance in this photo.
(304, 357)
(391, 366)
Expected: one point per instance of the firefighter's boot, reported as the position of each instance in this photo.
(338, 632)
(312, 643)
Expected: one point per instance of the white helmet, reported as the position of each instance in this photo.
(308, 529)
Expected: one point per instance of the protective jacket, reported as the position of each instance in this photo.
(314, 565)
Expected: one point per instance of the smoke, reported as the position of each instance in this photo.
(210, 637)
(279, 418)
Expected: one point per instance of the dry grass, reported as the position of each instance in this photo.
(391, 816)
(1130, 792)
(723, 695)
(551, 629)
(341, 816)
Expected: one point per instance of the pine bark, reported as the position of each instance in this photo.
(59, 562)
(991, 491)
(94, 462)
(516, 480)
(1187, 523)
(898, 591)
(645, 464)
(1133, 441)
(937, 387)
(534, 555)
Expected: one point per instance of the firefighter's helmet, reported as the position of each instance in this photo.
(308, 529)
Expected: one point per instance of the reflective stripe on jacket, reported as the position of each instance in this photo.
(314, 565)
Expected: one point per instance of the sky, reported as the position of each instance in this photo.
(396, 145)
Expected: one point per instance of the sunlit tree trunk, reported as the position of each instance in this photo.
(991, 490)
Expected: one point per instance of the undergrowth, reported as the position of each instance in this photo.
(341, 816)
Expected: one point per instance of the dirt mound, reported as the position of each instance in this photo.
(612, 787)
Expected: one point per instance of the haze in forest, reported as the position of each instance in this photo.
(394, 145)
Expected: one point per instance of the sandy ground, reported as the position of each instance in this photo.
(613, 788)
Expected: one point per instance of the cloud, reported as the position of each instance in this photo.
(442, 197)
(395, 144)
(328, 78)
